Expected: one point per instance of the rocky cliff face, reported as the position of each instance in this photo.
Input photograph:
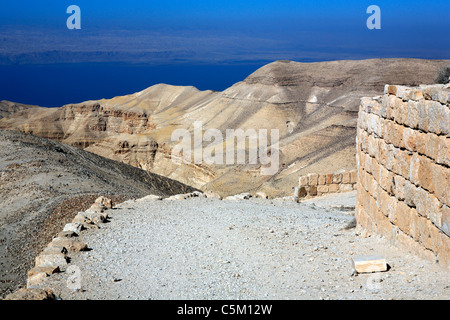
(313, 105)
(8, 108)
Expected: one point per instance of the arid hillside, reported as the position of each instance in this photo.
(313, 105)
(44, 184)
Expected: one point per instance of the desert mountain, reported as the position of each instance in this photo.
(313, 105)
(8, 108)
(43, 184)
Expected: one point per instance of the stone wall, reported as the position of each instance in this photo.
(403, 159)
(315, 184)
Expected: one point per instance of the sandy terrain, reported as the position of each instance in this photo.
(240, 249)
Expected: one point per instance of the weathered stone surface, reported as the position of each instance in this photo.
(333, 188)
(105, 202)
(44, 269)
(51, 250)
(343, 187)
(213, 195)
(337, 178)
(31, 294)
(36, 279)
(312, 190)
(176, 197)
(97, 207)
(313, 179)
(80, 218)
(151, 197)
(322, 179)
(261, 195)
(46, 260)
(73, 227)
(353, 176)
(303, 181)
(435, 93)
(70, 244)
(404, 178)
(365, 264)
(93, 217)
(346, 177)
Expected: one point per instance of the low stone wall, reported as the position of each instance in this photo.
(315, 184)
(55, 257)
(403, 159)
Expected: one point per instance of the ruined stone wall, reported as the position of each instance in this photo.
(403, 159)
(315, 184)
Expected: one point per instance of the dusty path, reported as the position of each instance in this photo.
(246, 249)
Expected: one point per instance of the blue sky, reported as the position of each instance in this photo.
(228, 30)
(135, 13)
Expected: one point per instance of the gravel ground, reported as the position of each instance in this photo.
(44, 184)
(244, 249)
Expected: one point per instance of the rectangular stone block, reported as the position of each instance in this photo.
(329, 178)
(365, 264)
(387, 100)
(439, 183)
(322, 188)
(425, 233)
(322, 179)
(434, 210)
(423, 120)
(376, 168)
(337, 178)
(404, 217)
(346, 177)
(399, 187)
(400, 111)
(397, 135)
(312, 190)
(333, 188)
(345, 187)
(414, 224)
(412, 196)
(409, 139)
(439, 118)
(303, 181)
(353, 176)
(47, 260)
(44, 269)
(414, 169)
(401, 164)
(421, 142)
(313, 179)
(443, 154)
(415, 94)
(412, 118)
(383, 201)
(435, 93)
(390, 89)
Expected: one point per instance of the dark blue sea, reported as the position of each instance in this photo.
(54, 85)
